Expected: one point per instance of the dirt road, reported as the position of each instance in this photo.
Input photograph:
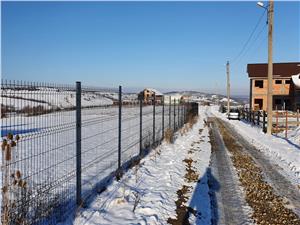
(246, 187)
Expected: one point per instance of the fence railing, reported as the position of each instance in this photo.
(61, 143)
(282, 120)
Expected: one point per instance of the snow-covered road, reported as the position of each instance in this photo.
(283, 152)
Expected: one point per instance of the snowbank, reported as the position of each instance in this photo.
(283, 152)
(146, 194)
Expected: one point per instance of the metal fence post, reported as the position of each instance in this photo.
(185, 112)
(297, 117)
(170, 107)
(286, 123)
(183, 118)
(174, 115)
(141, 126)
(163, 117)
(181, 113)
(178, 114)
(153, 135)
(78, 143)
(249, 116)
(258, 117)
(120, 127)
(264, 122)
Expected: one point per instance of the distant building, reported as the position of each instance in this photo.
(285, 84)
(173, 98)
(147, 95)
(185, 98)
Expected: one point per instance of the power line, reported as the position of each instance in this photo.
(259, 45)
(249, 38)
(252, 44)
(249, 46)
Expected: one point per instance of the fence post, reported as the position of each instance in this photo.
(258, 117)
(174, 115)
(297, 117)
(286, 123)
(178, 114)
(184, 105)
(78, 143)
(264, 122)
(120, 127)
(249, 115)
(170, 107)
(153, 135)
(277, 120)
(141, 126)
(248, 112)
(181, 114)
(163, 117)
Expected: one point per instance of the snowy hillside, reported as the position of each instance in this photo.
(24, 100)
(202, 97)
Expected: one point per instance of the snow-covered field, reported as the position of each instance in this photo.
(46, 152)
(53, 98)
(284, 152)
(146, 194)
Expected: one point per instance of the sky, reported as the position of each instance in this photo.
(165, 45)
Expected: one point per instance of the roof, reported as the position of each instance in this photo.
(284, 70)
(155, 91)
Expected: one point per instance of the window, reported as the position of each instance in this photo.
(277, 101)
(259, 83)
(287, 81)
(258, 102)
(278, 81)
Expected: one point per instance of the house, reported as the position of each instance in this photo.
(148, 93)
(185, 98)
(286, 90)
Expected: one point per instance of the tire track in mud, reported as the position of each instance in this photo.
(262, 183)
(227, 199)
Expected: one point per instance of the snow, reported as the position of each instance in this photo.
(46, 151)
(293, 135)
(283, 152)
(225, 100)
(173, 97)
(53, 98)
(155, 183)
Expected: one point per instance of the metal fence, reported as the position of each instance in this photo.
(61, 143)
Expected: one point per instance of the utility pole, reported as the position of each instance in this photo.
(270, 67)
(228, 87)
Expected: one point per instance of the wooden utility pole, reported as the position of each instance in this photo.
(270, 67)
(228, 87)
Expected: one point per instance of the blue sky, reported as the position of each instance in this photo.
(166, 45)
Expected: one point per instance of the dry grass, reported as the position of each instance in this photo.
(169, 136)
(192, 120)
(184, 129)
